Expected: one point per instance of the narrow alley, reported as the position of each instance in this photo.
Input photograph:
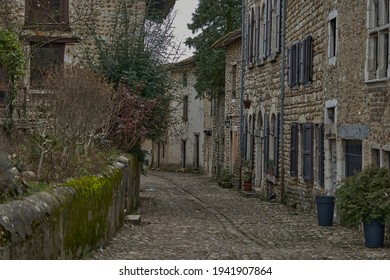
(187, 216)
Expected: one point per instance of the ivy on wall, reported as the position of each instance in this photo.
(12, 58)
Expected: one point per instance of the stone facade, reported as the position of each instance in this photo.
(183, 146)
(231, 119)
(335, 110)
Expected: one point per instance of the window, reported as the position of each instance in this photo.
(234, 81)
(376, 157)
(44, 59)
(276, 25)
(263, 32)
(353, 157)
(294, 150)
(276, 143)
(3, 84)
(185, 79)
(47, 12)
(185, 108)
(332, 40)
(307, 151)
(378, 40)
(321, 155)
(300, 57)
(183, 153)
(386, 159)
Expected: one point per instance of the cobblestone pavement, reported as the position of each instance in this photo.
(187, 216)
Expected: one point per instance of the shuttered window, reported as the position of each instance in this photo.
(266, 141)
(300, 62)
(321, 155)
(257, 33)
(278, 25)
(294, 150)
(276, 144)
(307, 152)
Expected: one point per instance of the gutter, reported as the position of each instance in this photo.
(242, 89)
(282, 91)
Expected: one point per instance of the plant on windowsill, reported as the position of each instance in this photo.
(365, 197)
(247, 175)
(225, 179)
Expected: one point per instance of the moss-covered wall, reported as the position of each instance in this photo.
(67, 221)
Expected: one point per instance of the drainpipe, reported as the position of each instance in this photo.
(282, 79)
(242, 88)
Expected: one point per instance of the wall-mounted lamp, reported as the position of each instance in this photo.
(228, 121)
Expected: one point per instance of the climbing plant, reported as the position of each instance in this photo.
(12, 59)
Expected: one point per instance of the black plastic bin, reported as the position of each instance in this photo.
(325, 210)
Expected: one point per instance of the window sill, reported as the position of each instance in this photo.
(380, 80)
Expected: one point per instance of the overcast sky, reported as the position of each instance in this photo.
(184, 9)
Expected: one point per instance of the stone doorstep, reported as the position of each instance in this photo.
(133, 219)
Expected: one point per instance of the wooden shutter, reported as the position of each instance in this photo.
(257, 34)
(321, 155)
(252, 142)
(289, 67)
(269, 27)
(308, 59)
(294, 150)
(278, 26)
(265, 32)
(251, 35)
(247, 40)
(307, 152)
(276, 144)
(297, 63)
(266, 141)
(302, 61)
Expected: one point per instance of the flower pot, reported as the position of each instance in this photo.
(374, 234)
(325, 210)
(247, 186)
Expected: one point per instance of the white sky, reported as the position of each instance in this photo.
(184, 9)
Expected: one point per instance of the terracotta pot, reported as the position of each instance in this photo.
(247, 104)
(247, 186)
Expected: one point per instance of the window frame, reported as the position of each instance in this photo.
(377, 50)
(60, 46)
(61, 23)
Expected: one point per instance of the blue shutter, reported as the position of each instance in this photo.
(257, 34)
(278, 26)
(266, 141)
(307, 152)
(321, 155)
(294, 150)
(276, 144)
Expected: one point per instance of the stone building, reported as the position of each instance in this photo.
(231, 118)
(334, 114)
(63, 32)
(183, 145)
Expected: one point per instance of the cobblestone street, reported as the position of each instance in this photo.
(187, 216)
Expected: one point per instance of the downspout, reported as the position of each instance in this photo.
(282, 89)
(242, 89)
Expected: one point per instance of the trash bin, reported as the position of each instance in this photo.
(325, 210)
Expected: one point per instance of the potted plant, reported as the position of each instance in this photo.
(225, 179)
(365, 197)
(247, 176)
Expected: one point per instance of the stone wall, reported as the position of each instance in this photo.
(232, 109)
(68, 221)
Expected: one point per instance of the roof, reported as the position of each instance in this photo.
(228, 39)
